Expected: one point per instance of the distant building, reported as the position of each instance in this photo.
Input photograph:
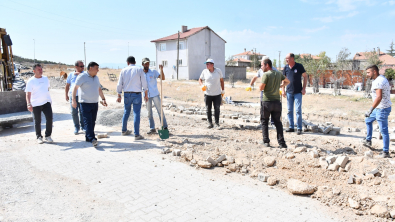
(360, 61)
(307, 54)
(247, 54)
(195, 47)
(242, 62)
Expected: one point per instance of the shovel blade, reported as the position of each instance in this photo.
(163, 134)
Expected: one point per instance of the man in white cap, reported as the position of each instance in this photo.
(214, 89)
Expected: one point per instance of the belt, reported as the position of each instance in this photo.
(133, 92)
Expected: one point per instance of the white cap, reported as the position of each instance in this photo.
(210, 61)
(265, 57)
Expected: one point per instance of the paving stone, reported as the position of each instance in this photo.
(210, 160)
(327, 129)
(337, 129)
(351, 179)
(314, 154)
(331, 159)
(375, 172)
(333, 133)
(204, 164)
(230, 159)
(262, 177)
(221, 158)
(166, 150)
(176, 152)
(333, 167)
(342, 161)
(225, 163)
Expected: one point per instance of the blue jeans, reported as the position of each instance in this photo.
(89, 113)
(297, 99)
(128, 100)
(156, 101)
(74, 114)
(381, 115)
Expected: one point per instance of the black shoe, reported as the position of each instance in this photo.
(367, 143)
(210, 125)
(384, 155)
(299, 132)
(289, 130)
(283, 145)
(217, 126)
(264, 144)
(152, 131)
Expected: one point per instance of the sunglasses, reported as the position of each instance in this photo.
(81, 66)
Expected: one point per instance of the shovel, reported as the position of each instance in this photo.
(163, 133)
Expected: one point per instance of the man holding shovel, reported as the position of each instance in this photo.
(153, 94)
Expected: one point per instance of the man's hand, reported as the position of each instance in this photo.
(146, 98)
(67, 98)
(161, 67)
(303, 91)
(104, 103)
(74, 104)
(248, 88)
(119, 99)
(223, 93)
(284, 94)
(30, 108)
(368, 113)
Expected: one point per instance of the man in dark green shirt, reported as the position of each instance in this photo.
(270, 104)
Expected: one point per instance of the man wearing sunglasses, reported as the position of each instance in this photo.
(70, 83)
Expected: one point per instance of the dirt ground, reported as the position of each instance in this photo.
(369, 195)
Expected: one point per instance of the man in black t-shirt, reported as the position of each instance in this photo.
(295, 90)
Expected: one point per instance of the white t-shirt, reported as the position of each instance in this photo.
(39, 88)
(382, 83)
(212, 81)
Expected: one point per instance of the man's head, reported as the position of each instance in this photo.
(290, 58)
(372, 71)
(38, 70)
(131, 60)
(145, 64)
(79, 66)
(93, 68)
(210, 64)
(266, 65)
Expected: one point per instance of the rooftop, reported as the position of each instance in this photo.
(185, 34)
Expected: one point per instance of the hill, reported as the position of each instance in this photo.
(18, 59)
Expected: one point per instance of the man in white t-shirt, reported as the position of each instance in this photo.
(214, 90)
(38, 100)
(380, 110)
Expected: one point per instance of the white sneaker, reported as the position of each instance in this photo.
(95, 143)
(127, 132)
(40, 140)
(48, 139)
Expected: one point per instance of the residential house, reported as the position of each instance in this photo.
(360, 61)
(247, 54)
(196, 45)
(242, 62)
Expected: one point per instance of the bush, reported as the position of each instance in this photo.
(390, 74)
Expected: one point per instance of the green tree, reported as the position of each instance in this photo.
(315, 68)
(390, 74)
(255, 61)
(391, 51)
(342, 64)
(274, 63)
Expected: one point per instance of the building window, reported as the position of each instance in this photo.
(179, 62)
(162, 47)
(164, 63)
(181, 46)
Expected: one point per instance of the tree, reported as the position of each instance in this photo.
(255, 61)
(391, 51)
(274, 63)
(343, 63)
(390, 74)
(230, 61)
(315, 68)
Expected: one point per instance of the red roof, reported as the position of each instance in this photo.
(312, 56)
(249, 53)
(387, 59)
(185, 34)
(241, 60)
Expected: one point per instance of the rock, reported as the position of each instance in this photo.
(210, 160)
(262, 177)
(327, 129)
(369, 154)
(333, 167)
(368, 177)
(225, 163)
(221, 158)
(176, 152)
(289, 156)
(375, 172)
(331, 159)
(342, 161)
(336, 191)
(300, 149)
(358, 180)
(333, 133)
(348, 167)
(187, 155)
(232, 167)
(271, 181)
(166, 150)
(353, 204)
(299, 187)
(269, 161)
(351, 179)
(379, 211)
(391, 177)
(204, 164)
(314, 154)
(244, 170)
(230, 159)
(220, 165)
(380, 198)
(337, 129)
(234, 117)
(193, 162)
(392, 213)
(324, 164)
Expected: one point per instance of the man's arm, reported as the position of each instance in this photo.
(29, 105)
(222, 84)
(120, 87)
(262, 86)
(304, 83)
(200, 81)
(102, 97)
(253, 80)
(284, 83)
(74, 103)
(162, 75)
(67, 91)
(379, 97)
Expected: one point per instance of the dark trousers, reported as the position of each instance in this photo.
(89, 113)
(210, 100)
(47, 110)
(271, 108)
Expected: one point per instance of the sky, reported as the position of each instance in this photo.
(57, 30)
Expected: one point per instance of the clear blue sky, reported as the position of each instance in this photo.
(60, 28)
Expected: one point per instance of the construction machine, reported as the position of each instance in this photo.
(13, 106)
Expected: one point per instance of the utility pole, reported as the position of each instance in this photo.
(34, 50)
(254, 56)
(178, 51)
(85, 56)
(279, 61)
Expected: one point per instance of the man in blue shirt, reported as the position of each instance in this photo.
(295, 90)
(153, 93)
(70, 83)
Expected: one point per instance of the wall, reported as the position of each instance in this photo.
(171, 56)
(239, 72)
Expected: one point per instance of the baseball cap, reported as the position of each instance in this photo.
(265, 57)
(145, 60)
(210, 61)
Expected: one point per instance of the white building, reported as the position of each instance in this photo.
(196, 46)
(247, 54)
